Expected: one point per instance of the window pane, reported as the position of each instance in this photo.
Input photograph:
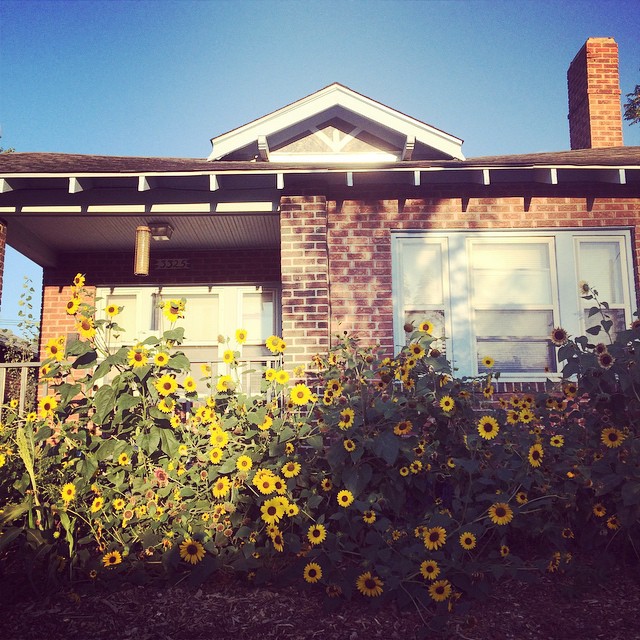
(127, 318)
(619, 324)
(422, 274)
(511, 273)
(513, 322)
(258, 315)
(517, 356)
(200, 320)
(600, 267)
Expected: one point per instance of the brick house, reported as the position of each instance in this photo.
(338, 213)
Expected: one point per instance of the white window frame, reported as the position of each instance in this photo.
(567, 304)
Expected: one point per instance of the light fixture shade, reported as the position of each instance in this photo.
(142, 248)
(160, 230)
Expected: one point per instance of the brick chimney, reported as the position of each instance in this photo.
(595, 115)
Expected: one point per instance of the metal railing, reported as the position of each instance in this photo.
(19, 381)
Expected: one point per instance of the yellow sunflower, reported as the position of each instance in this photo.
(347, 417)
(599, 510)
(47, 406)
(111, 559)
(291, 469)
(317, 533)
(225, 383)
(137, 356)
(215, 455)
(467, 540)
(488, 427)
(112, 310)
(434, 538)
(500, 513)
(312, 572)
(244, 463)
(282, 377)
(173, 309)
(266, 424)
(189, 385)
(425, 327)
(369, 585)
(161, 358)
(301, 394)
(556, 441)
(68, 492)
(440, 590)
(447, 403)
(488, 362)
(85, 327)
(612, 437)
(228, 357)
(191, 551)
(241, 336)
(536, 453)
(55, 348)
(403, 428)
(429, 569)
(221, 487)
(73, 305)
(123, 459)
(344, 498)
(97, 504)
(165, 385)
(369, 516)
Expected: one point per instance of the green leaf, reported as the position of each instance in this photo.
(386, 446)
(594, 331)
(127, 401)
(86, 360)
(104, 401)
(630, 493)
(78, 348)
(174, 335)
(180, 362)
(168, 442)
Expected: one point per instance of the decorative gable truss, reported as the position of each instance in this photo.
(336, 124)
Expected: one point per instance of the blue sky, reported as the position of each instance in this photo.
(161, 78)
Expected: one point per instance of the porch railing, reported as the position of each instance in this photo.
(19, 381)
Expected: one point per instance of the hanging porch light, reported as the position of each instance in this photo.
(142, 248)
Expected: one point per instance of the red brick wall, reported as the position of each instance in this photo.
(305, 286)
(594, 96)
(360, 242)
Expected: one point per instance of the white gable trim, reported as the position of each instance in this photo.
(335, 95)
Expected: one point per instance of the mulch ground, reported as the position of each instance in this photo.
(515, 611)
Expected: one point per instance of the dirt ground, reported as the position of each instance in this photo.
(514, 611)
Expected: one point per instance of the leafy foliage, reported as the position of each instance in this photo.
(372, 478)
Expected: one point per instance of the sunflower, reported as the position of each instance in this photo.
(189, 385)
(434, 538)
(613, 523)
(221, 487)
(123, 459)
(369, 517)
(500, 513)
(559, 336)
(570, 389)
(567, 533)
(300, 394)
(291, 469)
(215, 455)
(85, 327)
(166, 405)
(289, 448)
(244, 463)
(55, 349)
(225, 383)
(47, 406)
(488, 362)
(111, 559)
(403, 428)
(165, 385)
(118, 504)
(522, 497)
(282, 377)
(488, 427)
(68, 492)
(425, 327)
(447, 403)
(429, 569)
(504, 550)
(526, 416)
(599, 510)
(467, 540)
(606, 360)
(160, 359)
(326, 484)
(278, 542)
(556, 441)
(275, 344)
(347, 417)
(191, 551)
(317, 533)
(73, 305)
(416, 467)
(612, 437)
(173, 309)
(349, 445)
(403, 471)
(344, 498)
(137, 356)
(536, 453)
(241, 336)
(416, 350)
(97, 504)
(312, 572)
(369, 584)
(440, 590)
(265, 425)
(272, 511)
(270, 374)
(219, 438)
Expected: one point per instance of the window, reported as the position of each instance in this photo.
(501, 293)
(210, 312)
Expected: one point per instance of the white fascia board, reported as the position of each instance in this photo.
(323, 100)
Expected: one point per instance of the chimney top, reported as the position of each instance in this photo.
(595, 115)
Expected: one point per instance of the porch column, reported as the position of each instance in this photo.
(304, 267)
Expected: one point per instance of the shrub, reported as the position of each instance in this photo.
(364, 477)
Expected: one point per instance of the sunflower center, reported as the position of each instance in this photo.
(501, 512)
(434, 537)
(370, 583)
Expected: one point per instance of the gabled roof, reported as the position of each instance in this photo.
(336, 124)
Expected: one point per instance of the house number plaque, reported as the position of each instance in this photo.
(172, 264)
